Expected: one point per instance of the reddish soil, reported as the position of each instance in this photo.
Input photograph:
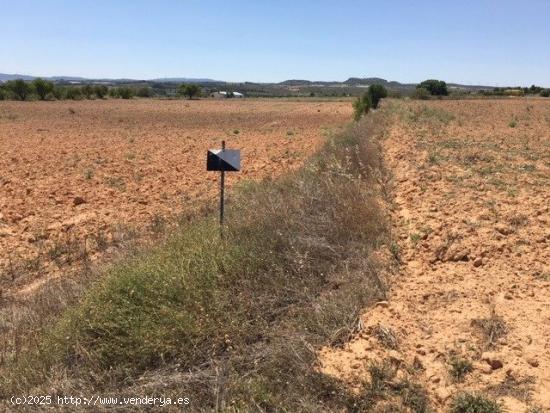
(75, 171)
(472, 223)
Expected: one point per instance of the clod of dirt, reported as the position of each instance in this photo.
(493, 360)
(533, 361)
(456, 253)
(442, 394)
(478, 262)
(504, 229)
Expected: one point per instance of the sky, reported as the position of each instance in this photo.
(480, 42)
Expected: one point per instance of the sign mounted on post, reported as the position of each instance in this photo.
(223, 160)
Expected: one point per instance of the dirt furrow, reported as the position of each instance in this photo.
(469, 306)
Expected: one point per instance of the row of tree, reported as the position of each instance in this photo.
(45, 90)
(518, 91)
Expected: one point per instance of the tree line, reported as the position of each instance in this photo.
(42, 89)
(46, 90)
(533, 90)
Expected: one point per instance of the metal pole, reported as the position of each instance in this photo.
(222, 190)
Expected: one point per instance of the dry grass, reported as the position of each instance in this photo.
(459, 368)
(233, 323)
(386, 337)
(491, 328)
(385, 392)
(474, 403)
(520, 389)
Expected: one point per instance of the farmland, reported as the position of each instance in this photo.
(81, 175)
(403, 267)
(468, 309)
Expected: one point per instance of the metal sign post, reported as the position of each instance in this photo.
(222, 192)
(223, 160)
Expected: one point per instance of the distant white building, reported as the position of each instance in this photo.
(223, 94)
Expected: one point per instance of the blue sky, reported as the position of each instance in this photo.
(494, 42)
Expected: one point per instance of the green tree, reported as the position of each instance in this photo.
(422, 93)
(545, 93)
(361, 106)
(100, 91)
(59, 92)
(20, 89)
(375, 93)
(74, 93)
(144, 92)
(125, 92)
(42, 87)
(113, 92)
(87, 91)
(435, 87)
(535, 90)
(190, 90)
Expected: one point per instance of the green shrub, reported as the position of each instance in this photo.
(101, 91)
(144, 92)
(533, 90)
(368, 100)
(545, 93)
(375, 93)
(42, 88)
(190, 90)
(361, 106)
(73, 92)
(113, 92)
(3, 94)
(19, 88)
(422, 93)
(474, 403)
(125, 92)
(59, 92)
(459, 368)
(435, 87)
(87, 91)
(514, 92)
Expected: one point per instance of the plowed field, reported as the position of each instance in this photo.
(82, 173)
(469, 306)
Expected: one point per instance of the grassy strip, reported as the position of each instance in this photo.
(233, 323)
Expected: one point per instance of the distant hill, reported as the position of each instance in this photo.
(354, 82)
(184, 80)
(295, 82)
(5, 77)
(367, 81)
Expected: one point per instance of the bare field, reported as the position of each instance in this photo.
(88, 172)
(469, 307)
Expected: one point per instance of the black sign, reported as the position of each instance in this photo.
(223, 160)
